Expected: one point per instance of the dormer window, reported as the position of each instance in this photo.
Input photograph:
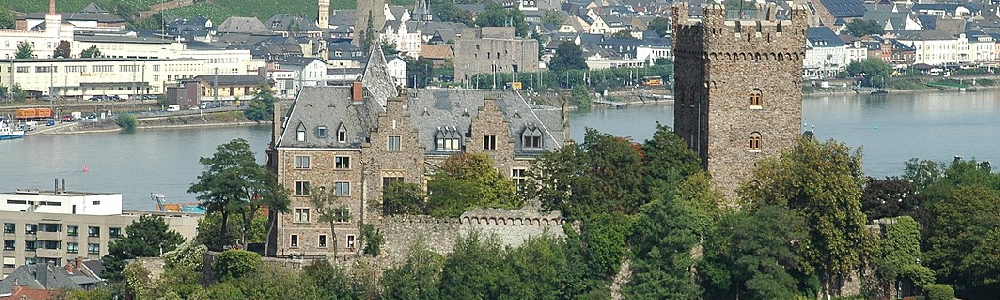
(300, 133)
(531, 137)
(342, 134)
(448, 139)
(321, 132)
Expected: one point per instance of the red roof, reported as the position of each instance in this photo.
(28, 294)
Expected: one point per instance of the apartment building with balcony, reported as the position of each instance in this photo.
(60, 226)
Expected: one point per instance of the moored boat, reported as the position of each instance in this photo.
(9, 132)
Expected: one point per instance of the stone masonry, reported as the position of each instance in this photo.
(737, 88)
(493, 49)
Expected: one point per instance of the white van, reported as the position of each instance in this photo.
(174, 108)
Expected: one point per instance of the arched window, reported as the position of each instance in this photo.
(755, 141)
(755, 98)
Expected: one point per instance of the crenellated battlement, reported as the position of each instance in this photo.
(724, 31)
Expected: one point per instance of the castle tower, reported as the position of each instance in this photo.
(737, 88)
(373, 8)
(323, 19)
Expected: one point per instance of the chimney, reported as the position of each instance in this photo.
(42, 273)
(79, 262)
(70, 269)
(52, 7)
(356, 91)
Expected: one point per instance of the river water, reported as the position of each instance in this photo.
(890, 129)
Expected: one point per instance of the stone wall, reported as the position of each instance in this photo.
(511, 227)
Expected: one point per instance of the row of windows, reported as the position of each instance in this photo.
(302, 215)
(340, 188)
(71, 247)
(71, 230)
(321, 132)
(350, 241)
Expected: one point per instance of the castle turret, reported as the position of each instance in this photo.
(737, 86)
(323, 19)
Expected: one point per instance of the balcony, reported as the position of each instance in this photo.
(49, 253)
(49, 235)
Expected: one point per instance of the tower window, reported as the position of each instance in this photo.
(755, 141)
(756, 99)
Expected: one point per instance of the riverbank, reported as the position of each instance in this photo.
(217, 119)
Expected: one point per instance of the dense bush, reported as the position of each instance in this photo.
(939, 292)
(127, 122)
(235, 264)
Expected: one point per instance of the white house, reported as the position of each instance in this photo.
(933, 47)
(308, 71)
(397, 69)
(43, 42)
(28, 200)
(982, 47)
(826, 53)
(405, 35)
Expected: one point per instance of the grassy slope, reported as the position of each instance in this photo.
(219, 10)
(33, 6)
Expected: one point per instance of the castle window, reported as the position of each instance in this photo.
(322, 241)
(302, 162)
(755, 142)
(342, 188)
(294, 241)
(321, 132)
(301, 215)
(389, 180)
(300, 133)
(756, 99)
(531, 138)
(302, 188)
(489, 142)
(520, 176)
(342, 162)
(394, 142)
(350, 241)
(447, 139)
(342, 134)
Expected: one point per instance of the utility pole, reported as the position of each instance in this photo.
(215, 86)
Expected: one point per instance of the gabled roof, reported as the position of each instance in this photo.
(242, 25)
(329, 107)
(342, 18)
(377, 79)
(92, 8)
(44, 276)
(823, 37)
(436, 51)
(923, 35)
(286, 22)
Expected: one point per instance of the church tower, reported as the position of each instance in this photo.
(323, 18)
(737, 87)
(368, 8)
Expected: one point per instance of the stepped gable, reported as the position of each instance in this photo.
(376, 78)
(432, 110)
(322, 106)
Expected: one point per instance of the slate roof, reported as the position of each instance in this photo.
(242, 25)
(43, 276)
(342, 18)
(923, 35)
(397, 12)
(823, 37)
(323, 106)
(457, 109)
(950, 8)
(845, 8)
(953, 26)
(377, 79)
(92, 8)
(286, 22)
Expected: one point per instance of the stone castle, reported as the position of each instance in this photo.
(737, 88)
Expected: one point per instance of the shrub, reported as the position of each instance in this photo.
(127, 122)
(939, 292)
(235, 264)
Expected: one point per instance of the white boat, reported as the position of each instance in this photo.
(9, 132)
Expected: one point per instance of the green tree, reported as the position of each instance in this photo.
(661, 247)
(265, 191)
(898, 256)
(752, 255)
(92, 52)
(822, 181)
(474, 270)
(668, 162)
(417, 278)
(24, 51)
(372, 239)
(923, 173)
(496, 16)
(582, 97)
(964, 237)
(469, 180)
(330, 210)
(553, 17)
(872, 71)
(624, 34)
(63, 50)
(6, 19)
(333, 282)
(148, 236)
(891, 197)
(568, 56)
(660, 24)
(234, 264)
(231, 179)
(860, 28)
(404, 198)
(420, 72)
(262, 105)
(538, 266)
(368, 38)
(127, 122)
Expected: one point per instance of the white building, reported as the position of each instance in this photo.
(43, 42)
(397, 69)
(308, 71)
(826, 53)
(933, 47)
(62, 203)
(227, 61)
(405, 35)
(982, 47)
